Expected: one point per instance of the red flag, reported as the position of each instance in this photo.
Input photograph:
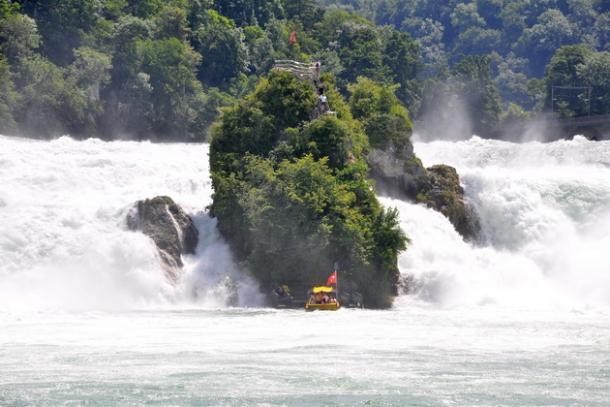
(332, 279)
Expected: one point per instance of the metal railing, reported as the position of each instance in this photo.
(309, 71)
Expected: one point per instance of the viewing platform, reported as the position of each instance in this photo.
(308, 72)
(305, 71)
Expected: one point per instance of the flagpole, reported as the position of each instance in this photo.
(337, 285)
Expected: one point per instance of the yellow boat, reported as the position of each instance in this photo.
(332, 305)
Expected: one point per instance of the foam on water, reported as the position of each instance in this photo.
(545, 217)
(103, 327)
(64, 243)
(544, 211)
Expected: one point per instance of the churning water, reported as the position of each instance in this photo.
(545, 223)
(86, 316)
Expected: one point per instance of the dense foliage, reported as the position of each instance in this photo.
(163, 69)
(292, 194)
(520, 38)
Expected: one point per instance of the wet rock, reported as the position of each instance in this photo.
(170, 228)
(281, 297)
(446, 195)
(399, 173)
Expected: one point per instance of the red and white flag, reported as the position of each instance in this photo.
(332, 279)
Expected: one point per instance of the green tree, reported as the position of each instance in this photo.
(18, 37)
(429, 35)
(223, 49)
(63, 24)
(401, 56)
(386, 120)
(143, 8)
(7, 99)
(478, 92)
(305, 11)
(478, 41)
(562, 71)
(551, 31)
(126, 59)
(250, 12)
(244, 129)
(82, 82)
(595, 72)
(491, 11)
(171, 22)
(512, 82)
(8, 8)
(466, 15)
(326, 137)
(44, 103)
(90, 70)
(128, 97)
(328, 30)
(260, 49)
(286, 99)
(360, 50)
(602, 30)
(177, 96)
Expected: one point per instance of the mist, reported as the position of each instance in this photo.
(65, 245)
(449, 121)
(544, 218)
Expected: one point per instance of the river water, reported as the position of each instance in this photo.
(522, 318)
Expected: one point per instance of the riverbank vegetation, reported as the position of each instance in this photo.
(152, 69)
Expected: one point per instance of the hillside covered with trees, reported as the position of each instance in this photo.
(521, 48)
(162, 69)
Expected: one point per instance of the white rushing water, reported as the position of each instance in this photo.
(545, 225)
(64, 244)
(86, 316)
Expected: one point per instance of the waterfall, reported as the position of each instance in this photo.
(64, 244)
(545, 217)
(544, 211)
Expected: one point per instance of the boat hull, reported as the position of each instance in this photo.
(331, 306)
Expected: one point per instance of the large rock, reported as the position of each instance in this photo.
(447, 196)
(170, 228)
(399, 173)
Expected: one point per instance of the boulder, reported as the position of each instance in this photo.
(281, 297)
(169, 227)
(399, 173)
(446, 195)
